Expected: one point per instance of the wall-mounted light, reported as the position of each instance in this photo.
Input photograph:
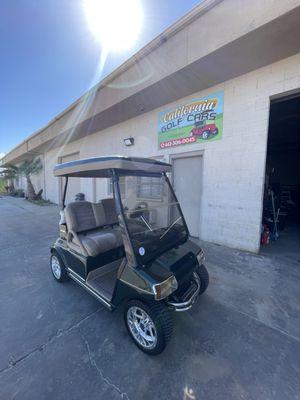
(129, 141)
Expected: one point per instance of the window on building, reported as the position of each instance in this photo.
(121, 184)
(149, 188)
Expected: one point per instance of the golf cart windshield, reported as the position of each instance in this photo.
(152, 214)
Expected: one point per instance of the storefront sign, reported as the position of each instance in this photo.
(199, 120)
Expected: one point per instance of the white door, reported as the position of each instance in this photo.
(73, 183)
(187, 182)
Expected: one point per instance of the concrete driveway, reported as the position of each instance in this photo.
(240, 341)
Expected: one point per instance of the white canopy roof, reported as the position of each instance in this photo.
(101, 166)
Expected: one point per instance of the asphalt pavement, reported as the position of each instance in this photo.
(240, 340)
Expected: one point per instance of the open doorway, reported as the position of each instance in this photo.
(281, 209)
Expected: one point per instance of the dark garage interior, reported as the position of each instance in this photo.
(281, 208)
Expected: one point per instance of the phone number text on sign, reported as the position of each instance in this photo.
(178, 142)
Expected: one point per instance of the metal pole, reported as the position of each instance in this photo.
(131, 258)
(65, 192)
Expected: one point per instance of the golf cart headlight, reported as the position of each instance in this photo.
(201, 257)
(165, 288)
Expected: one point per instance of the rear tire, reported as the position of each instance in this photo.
(150, 325)
(58, 268)
(204, 278)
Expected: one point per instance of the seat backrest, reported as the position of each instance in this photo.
(83, 216)
(80, 216)
(109, 207)
(99, 214)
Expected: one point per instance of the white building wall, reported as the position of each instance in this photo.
(52, 158)
(38, 182)
(233, 167)
(20, 183)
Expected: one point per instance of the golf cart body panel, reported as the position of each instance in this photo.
(134, 246)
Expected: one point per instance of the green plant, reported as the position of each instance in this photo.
(9, 173)
(18, 193)
(2, 185)
(28, 168)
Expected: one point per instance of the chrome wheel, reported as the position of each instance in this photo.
(142, 327)
(55, 266)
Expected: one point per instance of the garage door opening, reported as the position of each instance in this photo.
(281, 208)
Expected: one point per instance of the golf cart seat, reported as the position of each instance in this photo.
(93, 227)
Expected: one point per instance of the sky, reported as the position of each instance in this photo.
(49, 58)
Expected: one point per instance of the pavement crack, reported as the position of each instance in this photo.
(51, 339)
(94, 364)
(275, 328)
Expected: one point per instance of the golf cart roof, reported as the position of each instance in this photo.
(101, 166)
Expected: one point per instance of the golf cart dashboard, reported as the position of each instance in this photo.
(148, 245)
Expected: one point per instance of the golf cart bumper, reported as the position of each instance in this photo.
(188, 298)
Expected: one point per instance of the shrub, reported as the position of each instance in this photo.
(18, 193)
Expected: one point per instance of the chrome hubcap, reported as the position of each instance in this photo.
(55, 266)
(142, 327)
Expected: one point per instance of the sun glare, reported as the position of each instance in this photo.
(116, 24)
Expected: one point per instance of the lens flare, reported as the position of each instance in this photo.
(116, 24)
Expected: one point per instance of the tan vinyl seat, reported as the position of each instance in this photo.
(92, 227)
(101, 241)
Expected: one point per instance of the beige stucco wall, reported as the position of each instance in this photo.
(233, 167)
(226, 21)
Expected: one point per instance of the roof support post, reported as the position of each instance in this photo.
(65, 192)
(122, 220)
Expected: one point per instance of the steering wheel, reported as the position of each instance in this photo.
(140, 210)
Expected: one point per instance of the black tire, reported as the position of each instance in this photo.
(63, 277)
(205, 135)
(162, 319)
(204, 278)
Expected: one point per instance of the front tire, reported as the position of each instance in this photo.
(205, 135)
(150, 325)
(58, 268)
(202, 272)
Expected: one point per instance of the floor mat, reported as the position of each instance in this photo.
(103, 279)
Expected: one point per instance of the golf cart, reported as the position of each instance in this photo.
(203, 130)
(132, 249)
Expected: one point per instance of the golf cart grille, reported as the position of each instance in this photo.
(184, 267)
(189, 291)
(183, 271)
(185, 289)
(184, 300)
